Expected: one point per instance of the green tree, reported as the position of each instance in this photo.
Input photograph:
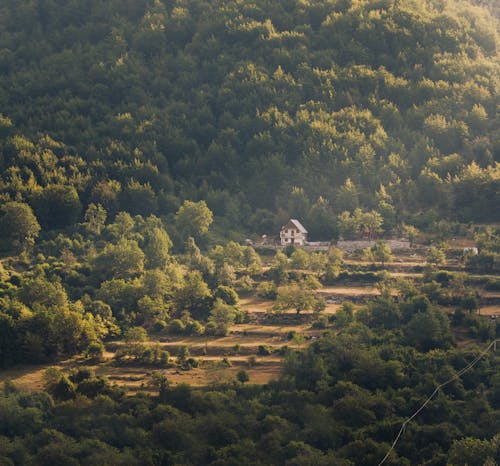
(106, 193)
(193, 295)
(139, 199)
(193, 219)
(299, 259)
(222, 315)
(321, 221)
(381, 252)
(120, 260)
(412, 234)
(472, 451)
(226, 294)
(347, 197)
(56, 206)
(156, 248)
(435, 256)
(370, 223)
(242, 376)
(95, 218)
(19, 227)
(40, 290)
(429, 330)
(294, 296)
(123, 225)
(251, 261)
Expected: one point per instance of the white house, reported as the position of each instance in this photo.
(293, 233)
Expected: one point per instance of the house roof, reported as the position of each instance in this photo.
(295, 223)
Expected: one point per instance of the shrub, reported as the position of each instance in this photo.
(194, 328)
(226, 294)
(242, 376)
(211, 328)
(493, 284)
(252, 361)
(176, 327)
(159, 326)
(267, 290)
(320, 323)
(192, 363)
(264, 350)
(95, 351)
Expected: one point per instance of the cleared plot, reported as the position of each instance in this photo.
(138, 378)
(26, 378)
(269, 330)
(411, 275)
(242, 360)
(254, 304)
(210, 371)
(331, 308)
(242, 342)
(490, 311)
(346, 291)
(490, 294)
(31, 377)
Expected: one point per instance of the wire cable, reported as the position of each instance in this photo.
(439, 387)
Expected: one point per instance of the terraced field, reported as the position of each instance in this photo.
(256, 346)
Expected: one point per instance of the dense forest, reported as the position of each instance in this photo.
(339, 403)
(141, 143)
(265, 110)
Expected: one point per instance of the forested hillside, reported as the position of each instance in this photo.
(146, 148)
(264, 109)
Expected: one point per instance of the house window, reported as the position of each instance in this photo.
(293, 232)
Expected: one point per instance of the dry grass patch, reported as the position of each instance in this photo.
(253, 304)
(349, 291)
(490, 310)
(30, 377)
(269, 330)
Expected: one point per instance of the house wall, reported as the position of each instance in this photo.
(293, 236)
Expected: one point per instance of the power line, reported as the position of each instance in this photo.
(439, 387)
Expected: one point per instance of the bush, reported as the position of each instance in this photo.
(493, 284)
(176, 327)
(264, 350)
(95, 351)
(267, 290)
(443, 277)
(211, 329)
(159, 326)
(283, 351)
(194, 328)
(226, 294)
(320, 323)
(242, 376)
(192, 363)
(226, 363)
(252, 361)
(81, 374)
